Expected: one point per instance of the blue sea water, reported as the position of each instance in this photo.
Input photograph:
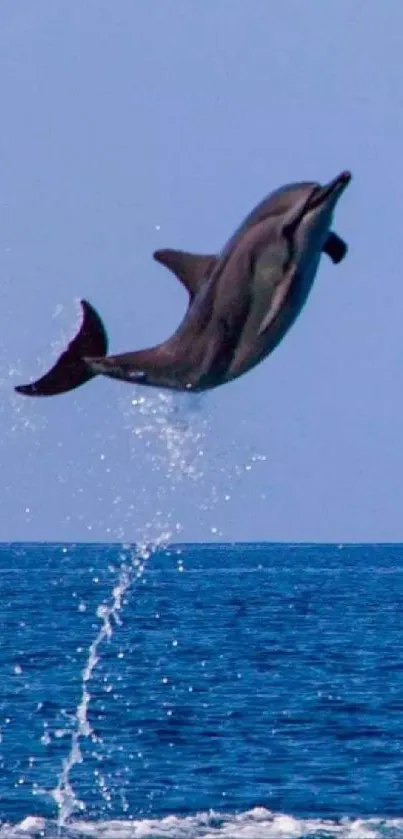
(236, 690)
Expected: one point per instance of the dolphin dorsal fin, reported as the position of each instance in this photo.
(190, 268)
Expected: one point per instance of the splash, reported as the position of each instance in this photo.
(170, 442)
(173, 431)
(198, 467)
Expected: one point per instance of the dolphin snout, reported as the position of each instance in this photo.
(329, 195)
(345, 177)
(337, 185)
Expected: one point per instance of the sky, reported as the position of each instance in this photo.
(127, 127)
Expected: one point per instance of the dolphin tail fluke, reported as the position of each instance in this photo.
(70, 370)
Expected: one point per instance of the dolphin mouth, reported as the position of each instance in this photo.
(331, 191)
(320, 196)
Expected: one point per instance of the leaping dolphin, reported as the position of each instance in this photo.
(241, 302)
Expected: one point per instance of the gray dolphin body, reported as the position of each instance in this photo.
(241, 302)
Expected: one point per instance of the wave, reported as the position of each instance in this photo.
(258, 823)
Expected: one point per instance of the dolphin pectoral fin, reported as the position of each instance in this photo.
(70, 370)
(190, 268)
(335, 248)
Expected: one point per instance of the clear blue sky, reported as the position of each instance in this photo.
(128, 126)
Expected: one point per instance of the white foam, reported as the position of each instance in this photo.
(258, 823)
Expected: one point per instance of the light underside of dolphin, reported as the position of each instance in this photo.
(241, 301)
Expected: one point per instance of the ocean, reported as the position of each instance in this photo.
(206, 690)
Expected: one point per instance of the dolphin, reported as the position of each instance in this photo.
(241, 302)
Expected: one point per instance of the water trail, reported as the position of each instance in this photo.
(159, 418)
(63, 793)
(174, 432)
